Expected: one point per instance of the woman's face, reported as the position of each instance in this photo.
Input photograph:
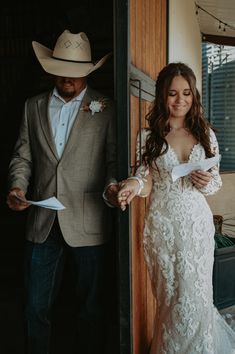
(180, 98)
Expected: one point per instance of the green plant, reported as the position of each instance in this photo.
(222, 240)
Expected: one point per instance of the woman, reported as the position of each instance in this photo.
(179, 229)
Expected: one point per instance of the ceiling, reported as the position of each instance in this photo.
(223, 10)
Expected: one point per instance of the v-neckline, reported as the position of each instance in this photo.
(190, 154)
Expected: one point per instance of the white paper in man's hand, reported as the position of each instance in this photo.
(50, 203)
(186, 168)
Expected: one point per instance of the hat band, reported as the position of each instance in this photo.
(72, 61)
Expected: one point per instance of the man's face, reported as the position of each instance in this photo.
(68, 87)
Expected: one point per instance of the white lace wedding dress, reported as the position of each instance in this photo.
(179, 252)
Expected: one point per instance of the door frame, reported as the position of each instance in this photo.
(122, 98)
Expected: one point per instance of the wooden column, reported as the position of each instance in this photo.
(148, 43)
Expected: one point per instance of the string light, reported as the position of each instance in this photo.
(198, 7)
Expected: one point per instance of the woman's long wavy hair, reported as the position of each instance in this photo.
(158, 117)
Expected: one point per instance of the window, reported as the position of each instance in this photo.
(218, 97)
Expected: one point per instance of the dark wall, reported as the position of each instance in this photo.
(21, 76)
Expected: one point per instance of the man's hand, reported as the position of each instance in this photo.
(16, 199)
(111, 194)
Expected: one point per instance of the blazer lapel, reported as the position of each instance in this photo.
(43, 107)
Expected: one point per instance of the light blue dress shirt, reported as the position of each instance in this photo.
(62, 115)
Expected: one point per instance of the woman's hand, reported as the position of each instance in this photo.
(129, 188)
(200, 179)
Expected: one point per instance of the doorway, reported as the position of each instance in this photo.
(22, 77)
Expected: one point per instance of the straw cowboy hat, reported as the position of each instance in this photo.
(71, 56)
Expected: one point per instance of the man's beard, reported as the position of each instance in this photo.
(64, 93)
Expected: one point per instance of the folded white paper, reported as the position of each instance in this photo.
(186, 168)
(50, 203)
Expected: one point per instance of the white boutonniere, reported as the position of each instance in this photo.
(94, 106)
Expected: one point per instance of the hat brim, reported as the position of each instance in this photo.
(64, 68)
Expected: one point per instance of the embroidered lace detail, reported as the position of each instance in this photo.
(179, 253)
(215, 183)
(185, 312)
(205, 345)
(170, 345)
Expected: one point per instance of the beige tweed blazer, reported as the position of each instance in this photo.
(77, 179)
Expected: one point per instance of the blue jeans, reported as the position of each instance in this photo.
(43, 274)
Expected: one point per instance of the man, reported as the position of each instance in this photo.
(66, 148)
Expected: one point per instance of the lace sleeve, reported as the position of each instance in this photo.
(142, 171)
(215, 183)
